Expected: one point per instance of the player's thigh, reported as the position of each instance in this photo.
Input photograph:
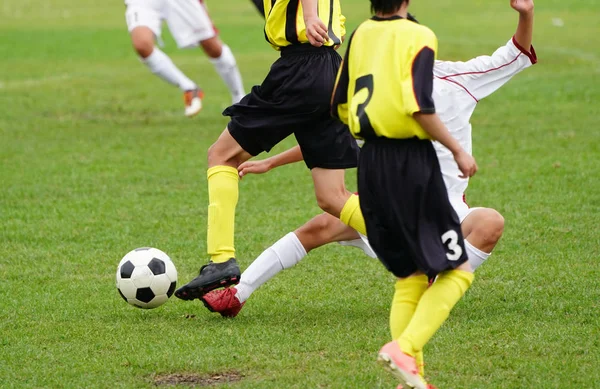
(189, 22)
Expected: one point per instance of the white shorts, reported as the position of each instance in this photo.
(187, 20)
(458, 203)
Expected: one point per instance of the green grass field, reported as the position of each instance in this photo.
(97, 159)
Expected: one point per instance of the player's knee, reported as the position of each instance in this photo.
(215, 154)
(142, 46)
(492, 226)
(213, 47)
(220, 154)
(327, 204)
(332, 201)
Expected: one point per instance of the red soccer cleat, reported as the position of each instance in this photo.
(401, 365)
(223, 301)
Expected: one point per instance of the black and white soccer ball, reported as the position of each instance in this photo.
(146, 277)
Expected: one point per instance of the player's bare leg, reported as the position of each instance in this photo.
(222, 58)
(143, 41)
(284, 254)
(224, 156)
(482, 229)
(335, 199)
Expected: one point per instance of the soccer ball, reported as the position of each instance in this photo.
(146, 277)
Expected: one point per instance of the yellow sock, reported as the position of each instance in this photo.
(433, 309)
(406, 298)
(351, 215)
(420, 363)
(222, 201)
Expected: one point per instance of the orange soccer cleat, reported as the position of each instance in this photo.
(193, 102)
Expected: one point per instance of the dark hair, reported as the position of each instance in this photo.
(386, 6)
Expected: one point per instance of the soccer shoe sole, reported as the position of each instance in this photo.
(406, 380)
(227, 313)
(192, 293)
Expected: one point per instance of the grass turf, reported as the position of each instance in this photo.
(97, 159)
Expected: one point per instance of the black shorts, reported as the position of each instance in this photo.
(295, 98)
(410, 222)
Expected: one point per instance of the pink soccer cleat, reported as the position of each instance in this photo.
(223, 301)
(401, 365)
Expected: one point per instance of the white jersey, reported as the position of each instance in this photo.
(457, 88)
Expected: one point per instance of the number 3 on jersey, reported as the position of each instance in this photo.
(366, 129)
(450, 240)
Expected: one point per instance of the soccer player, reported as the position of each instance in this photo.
(386, 99)
(294, 99)
(190, 26)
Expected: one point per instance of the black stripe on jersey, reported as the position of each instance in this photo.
(291, 31)
(340, 93)
(335, 39)
(260, 6)
(422, 76)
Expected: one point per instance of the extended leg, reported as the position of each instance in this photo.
(284, 254)
(224, 156)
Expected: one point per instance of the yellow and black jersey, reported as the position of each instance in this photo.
(284, 22)
(386, 77)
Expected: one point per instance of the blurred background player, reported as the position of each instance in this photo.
(190, 26)
(457, 88)
(293, 99)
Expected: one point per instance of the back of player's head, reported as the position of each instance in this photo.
(386, 6)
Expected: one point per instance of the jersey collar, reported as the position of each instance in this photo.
(378, 19)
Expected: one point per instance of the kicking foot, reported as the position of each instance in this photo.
(401, 365)
(193, 102)
(223, 301)
(212, 275)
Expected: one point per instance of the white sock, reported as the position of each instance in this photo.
(227, 68)
(362, 244)
(285, 253)
(161, 65)
(476, 256)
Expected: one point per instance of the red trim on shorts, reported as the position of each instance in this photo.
(207, 14)
(465, 200)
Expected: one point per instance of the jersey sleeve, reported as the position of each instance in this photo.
(483, 75)
(339, 99)
(343, 25)
(418, 88)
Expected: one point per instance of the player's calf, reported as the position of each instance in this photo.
(324, 229)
